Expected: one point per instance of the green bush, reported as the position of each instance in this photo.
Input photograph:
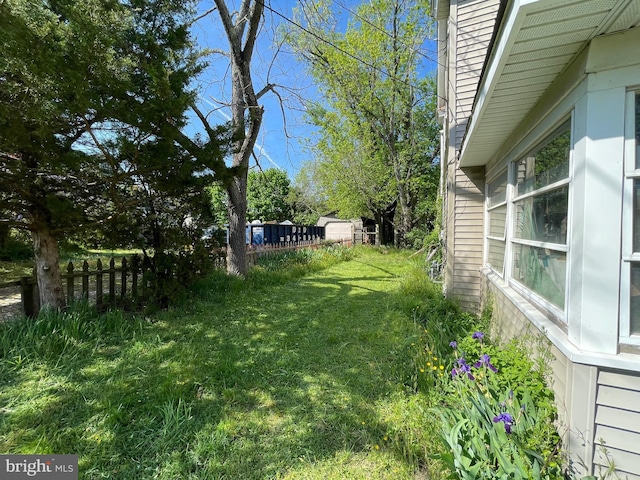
(278, 267)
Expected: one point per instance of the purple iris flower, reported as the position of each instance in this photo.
(477, 336)
(463, 367)
(453, 344)
(505, 418)
(486, 361)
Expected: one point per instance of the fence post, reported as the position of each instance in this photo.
(85, 280)
(112, 280)
(123, 277)
(70, 294)
(99, 284)
(134, 276)
(29, 296)
(145, 278)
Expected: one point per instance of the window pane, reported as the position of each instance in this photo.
(498, 189)
(541, 270)
(543, 218)
(497, 221)
(635, 299)
(637, 130)
(547, 165)
(636, 216)
(495, 255)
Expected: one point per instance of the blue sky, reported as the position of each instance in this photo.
(283, 136)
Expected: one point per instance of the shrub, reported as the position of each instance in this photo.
(278, 267)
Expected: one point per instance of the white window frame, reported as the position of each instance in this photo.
(488, 210)
(628, 256)
(560, 313)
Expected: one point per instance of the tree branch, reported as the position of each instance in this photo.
(254, 24)
(200, 17)
(267, 88)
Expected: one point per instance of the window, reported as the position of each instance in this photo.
(630, 284)
(541, 201)
(497, 222)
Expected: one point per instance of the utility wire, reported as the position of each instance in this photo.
(382, 30)
(341, 50)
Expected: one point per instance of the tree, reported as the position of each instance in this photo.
(305, 197)
(268, 195)
(241, 30)
(370, 142)
(353, 173)
(74, 76)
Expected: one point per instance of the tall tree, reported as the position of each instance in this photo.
(74, 76)
(369, 78)
(241, 30)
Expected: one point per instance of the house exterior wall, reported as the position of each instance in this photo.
(596, 365)
(596, 375)
(598, 407)
(470, 27)
(474, 24)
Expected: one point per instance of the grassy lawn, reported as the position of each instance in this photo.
(299, 379)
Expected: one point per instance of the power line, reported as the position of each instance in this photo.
(331, 44)
(382, 30)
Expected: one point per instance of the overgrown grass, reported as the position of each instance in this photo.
(303, 371)
(323, 364)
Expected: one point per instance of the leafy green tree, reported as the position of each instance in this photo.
(74, 78)
(218, 205)
(371, 149)
(268, 195)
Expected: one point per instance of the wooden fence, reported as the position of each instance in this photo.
(110, 284)
(103, 286)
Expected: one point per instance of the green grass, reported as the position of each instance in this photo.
(12, 271)
(283, 376)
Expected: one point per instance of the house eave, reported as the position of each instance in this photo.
(537, 54)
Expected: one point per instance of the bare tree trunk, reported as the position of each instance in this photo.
(246, 118)
(237, 208)
(406, 221)
(47, 257)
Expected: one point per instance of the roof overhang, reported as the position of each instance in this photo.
(440, 9)
(539, 51)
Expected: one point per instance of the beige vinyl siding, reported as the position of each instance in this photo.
(618, 422)
(475, 23)
(559, 367)
(468, 232)
(471, 26)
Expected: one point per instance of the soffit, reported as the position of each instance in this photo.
(537, 42)
(440, 9)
